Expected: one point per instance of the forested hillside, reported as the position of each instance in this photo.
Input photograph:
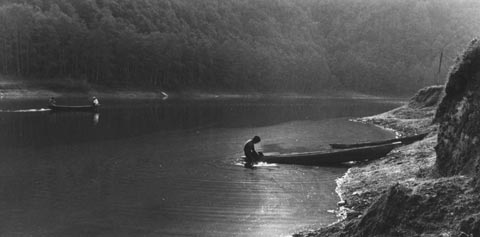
(375, 46)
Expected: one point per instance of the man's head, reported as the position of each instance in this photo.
(256, 139)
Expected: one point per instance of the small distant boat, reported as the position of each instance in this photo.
(334, 157)
(403, 140)
(83, 108)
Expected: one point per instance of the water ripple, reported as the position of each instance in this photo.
(24, 110)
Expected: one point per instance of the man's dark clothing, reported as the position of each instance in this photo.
(251, 156)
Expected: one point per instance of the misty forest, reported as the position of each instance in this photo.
(305, 46)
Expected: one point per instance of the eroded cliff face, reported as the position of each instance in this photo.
(458, 115)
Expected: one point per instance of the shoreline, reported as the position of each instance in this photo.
(364, 184)
(11, 88)
(344, 211)
(400, 126)
(16, 94)
(162, 95)
(389, 121)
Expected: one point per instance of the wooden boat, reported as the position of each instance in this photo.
(403, 140)
(334, 157)
(83, 108)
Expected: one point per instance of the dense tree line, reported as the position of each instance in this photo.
(263, 45)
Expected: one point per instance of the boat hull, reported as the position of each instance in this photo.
(65, 108)
(329, 158)
(403, 140)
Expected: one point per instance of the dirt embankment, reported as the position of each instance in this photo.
(428, 188)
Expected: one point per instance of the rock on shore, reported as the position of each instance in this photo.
(428, 188)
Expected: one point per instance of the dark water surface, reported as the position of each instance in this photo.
(171, 168)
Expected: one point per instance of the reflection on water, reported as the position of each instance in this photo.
(162, 168)
(96, 118)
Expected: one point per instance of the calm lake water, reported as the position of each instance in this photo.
(171, 168)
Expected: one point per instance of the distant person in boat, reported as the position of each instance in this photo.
(52, 101)
(251, 156)
(95, 101)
